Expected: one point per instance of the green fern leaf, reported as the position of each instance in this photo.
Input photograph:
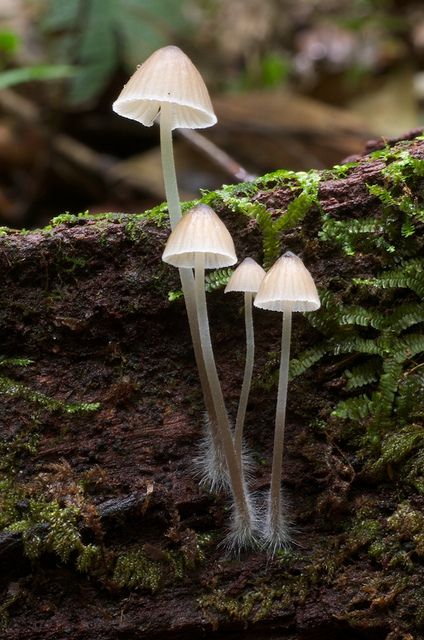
(357, 408)
(306, 360)
(217, 279)
(411, 345)
(363, 374)
(361, 316)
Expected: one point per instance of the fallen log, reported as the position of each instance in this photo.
(98, 372)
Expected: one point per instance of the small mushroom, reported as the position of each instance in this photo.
(246, 279)
(168, 88)
(287, 287)
(202, 241)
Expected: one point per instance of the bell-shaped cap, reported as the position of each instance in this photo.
(288, 286)
(168, 75)
(200, 231)
(246, 278)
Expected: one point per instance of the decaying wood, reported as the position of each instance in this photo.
(88, 304)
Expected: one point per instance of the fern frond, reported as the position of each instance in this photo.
(299, 207)
(411, 345)
(217, 279)
(405, 316)
(307, 359)
(347, 233)
(409, 403)
(15, 362)
(357, 408)
(356, 344)
(361, 316)
(326, 318)
(387, 387)
(409, 275)
(363, 374)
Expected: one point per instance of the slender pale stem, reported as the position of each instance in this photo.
(234, 468)
(186, 275)
(168, 164)
(280, 419)
(247, 378)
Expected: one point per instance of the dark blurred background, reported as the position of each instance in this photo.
(296, 83)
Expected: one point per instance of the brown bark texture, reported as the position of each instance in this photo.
(87, 303)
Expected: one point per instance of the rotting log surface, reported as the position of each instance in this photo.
(87, 303)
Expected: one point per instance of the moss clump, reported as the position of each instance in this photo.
(134, 570)
(362, 532)
(151, 568)
(49, 527)
(252, 606)
(9, 387)
(398, 449)
(408, 524)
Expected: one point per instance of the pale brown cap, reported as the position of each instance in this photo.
(200, 231)
(247, 277)
(288, 286)
(168, 75)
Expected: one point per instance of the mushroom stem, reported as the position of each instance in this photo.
(168, 164)
(277, 531)
(247, 378)
(186, 275)
(242, 533)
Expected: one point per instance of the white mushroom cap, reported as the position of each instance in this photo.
(247, 277)
(168, 75)
(288, 286)
(200, 231)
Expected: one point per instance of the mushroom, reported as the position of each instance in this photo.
(247, 279)
(202, 241)
(168, 88)
(287, 287)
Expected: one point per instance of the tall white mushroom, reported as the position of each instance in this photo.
(168, 89)
(202, 241)
(246, 279)
(287, 287)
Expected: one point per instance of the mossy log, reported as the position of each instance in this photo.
(106, 531)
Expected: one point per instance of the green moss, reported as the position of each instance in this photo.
(46, 525)
(361, 533)
(252, 606)
(134, 569)
(9, 387)
(406, 521)
(342, 170)
(396, 447)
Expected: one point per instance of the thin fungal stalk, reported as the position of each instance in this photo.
(247, 378)
(210, 472)
(168, 164)
(276, 530)
(242, 533)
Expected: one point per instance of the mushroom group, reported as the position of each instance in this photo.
(169, 90)
(201, 241)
